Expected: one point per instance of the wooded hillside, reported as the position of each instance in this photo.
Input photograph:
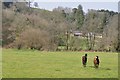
(24, 27)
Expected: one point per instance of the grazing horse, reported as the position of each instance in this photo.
(96, 62)
(84, 60)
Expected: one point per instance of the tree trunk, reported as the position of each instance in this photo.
(93, 41)
(88, 41)
(67, 40)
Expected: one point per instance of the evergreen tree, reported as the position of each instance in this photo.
(79, 17)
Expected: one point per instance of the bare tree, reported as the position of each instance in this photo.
(34, 39)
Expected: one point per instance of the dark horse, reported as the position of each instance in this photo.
(84, 60)
(96, 62)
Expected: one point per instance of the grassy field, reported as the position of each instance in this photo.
(36, 64)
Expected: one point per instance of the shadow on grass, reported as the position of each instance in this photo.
(57, 70)
(100, 68)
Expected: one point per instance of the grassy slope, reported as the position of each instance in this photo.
(35, 64)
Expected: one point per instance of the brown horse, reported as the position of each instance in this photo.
(84, 60)
(96, 62)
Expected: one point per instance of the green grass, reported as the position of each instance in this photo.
(36, 64)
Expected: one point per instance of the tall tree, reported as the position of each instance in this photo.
(63, 13)
(74, 10)
(7, 4)
(79, 17)
(110, 36)
(36, 4)
(29, 2)
(118, 46)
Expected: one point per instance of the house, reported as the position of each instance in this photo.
(77, 33)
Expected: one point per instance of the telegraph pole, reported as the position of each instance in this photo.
(67, 40)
